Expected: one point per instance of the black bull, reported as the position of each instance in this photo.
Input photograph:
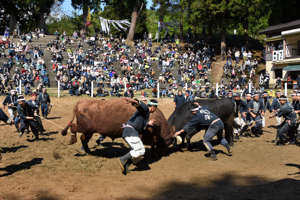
(223, 108)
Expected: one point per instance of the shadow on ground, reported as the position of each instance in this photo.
(18, 167)
(229, 186)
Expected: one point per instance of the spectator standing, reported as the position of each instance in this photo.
(179, 99)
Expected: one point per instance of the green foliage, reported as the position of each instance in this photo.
(65, 23)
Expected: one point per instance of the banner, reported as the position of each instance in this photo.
(118, 24)
(88, 19)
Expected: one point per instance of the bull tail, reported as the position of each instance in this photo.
(64, 131)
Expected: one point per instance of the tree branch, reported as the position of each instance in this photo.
(140, 9)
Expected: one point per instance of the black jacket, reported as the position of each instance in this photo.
(28, 111)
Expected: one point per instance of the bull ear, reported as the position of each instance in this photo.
(172, 130)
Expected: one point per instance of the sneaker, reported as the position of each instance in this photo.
(21, 134)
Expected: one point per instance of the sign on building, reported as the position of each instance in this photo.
(277, 55)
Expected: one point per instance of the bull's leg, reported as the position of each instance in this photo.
(229, 134)
(182, 135)
(188, 139)
(154, 151)
(85, 138)
(74, 129)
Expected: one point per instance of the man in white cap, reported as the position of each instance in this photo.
(204, 118)
(256, 110)
(9, 101)
(133, 128)
(27, 113)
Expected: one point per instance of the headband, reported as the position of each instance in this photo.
(298, 94)
(195, 109)
(293, 94)
(283, 99)
(23, 99)
(149, 103)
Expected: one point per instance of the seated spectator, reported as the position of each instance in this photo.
(115, 90)
(100, 92)
(129, 93)
(27, 90)
(75, 87)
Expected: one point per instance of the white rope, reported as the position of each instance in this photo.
(68, 147)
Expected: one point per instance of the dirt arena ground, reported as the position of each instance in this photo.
(48, 170)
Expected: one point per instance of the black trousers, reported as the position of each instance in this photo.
(33, 126)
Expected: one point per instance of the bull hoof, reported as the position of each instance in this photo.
(73, 140)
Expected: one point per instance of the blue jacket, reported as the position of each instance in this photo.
(140, 118)
(260, 107)
(287, 111)
(275, 104)
(266, 105)
(240, 107)
(44, 98)
(203, 117)
(10, 99)
(179, 100)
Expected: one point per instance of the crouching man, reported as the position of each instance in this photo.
(204, 119)
(132, 130)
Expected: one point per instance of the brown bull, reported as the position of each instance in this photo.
(107, 116)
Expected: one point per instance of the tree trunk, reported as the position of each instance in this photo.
(42, 23)
(84, 15)
(181, 24)
(223, 38)
(12, 20)
(194, 33)
(134, 17)
(246, 26)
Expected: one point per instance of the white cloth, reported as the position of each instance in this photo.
(263, 121)
(105, 24)
(240, 122)
(278, 119)
(12, 113)
(137, 148)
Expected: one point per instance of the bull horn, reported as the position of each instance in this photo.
(179, 139)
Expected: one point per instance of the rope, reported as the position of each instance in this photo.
(68, 147)
(253, 122)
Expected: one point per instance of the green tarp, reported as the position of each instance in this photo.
(292, 68)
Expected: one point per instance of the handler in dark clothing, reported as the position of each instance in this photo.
(204, 119)
(4, 117)
(132, 130)
(36, 103)
(289, 124)
(27, 112)
(179, 99)
(256, 110)
(44, 99)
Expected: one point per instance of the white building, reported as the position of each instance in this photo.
(282, 50)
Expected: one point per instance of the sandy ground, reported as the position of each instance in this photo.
(49, 170)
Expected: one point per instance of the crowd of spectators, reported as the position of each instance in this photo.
(78, 60)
